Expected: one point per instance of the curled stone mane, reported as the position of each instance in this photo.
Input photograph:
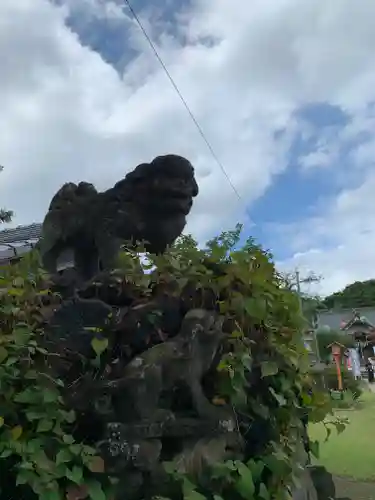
(166, 179)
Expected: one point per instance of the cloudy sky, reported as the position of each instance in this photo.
(284, 90)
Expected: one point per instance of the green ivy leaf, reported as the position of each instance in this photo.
(50, 396)
(34, 415)
(3, 354)
(256, 468)
(16, 432)
(68, 439)
(58, 430)
(194, 495)
(328, 434)
(9, 310)
(51, 494)
(269, 368)
(245, 484)
(99, 345)
(95, 490)
(63, 456)
(26, 396)
(15, 292)
(6, 453)
(247, 361)
(256, 308)
(340, 427)
(275, 464)
(75, 475)
(263, 492)
(75, 449)
(279, 397)
(24, 476)
(11, 361)
(44, 426)
(31, 375)
(222, 470)
(314, 448)
(68, 416)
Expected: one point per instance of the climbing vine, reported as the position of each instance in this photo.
(264, 369)
(262, 373)
(39, 458)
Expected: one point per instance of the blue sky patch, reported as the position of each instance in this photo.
(322, 115)
(110, 37)
(298, 194)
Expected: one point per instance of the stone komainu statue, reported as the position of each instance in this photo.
(149, 205)
(158, 409)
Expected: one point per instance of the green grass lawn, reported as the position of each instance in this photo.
(351, 453)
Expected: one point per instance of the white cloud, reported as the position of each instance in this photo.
(66, 115)
(99, 9)
(322, 157)
(339, 244)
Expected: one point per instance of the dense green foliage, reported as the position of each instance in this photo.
(349, 382)
(266, 338)
(36, 448)
(358, 294)
(262, 373)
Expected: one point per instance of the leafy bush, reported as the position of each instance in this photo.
(348, 381)
(262, 373)
(357, 294)
(39, 457)
(348, 400)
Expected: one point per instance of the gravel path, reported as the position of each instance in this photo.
(355, 490)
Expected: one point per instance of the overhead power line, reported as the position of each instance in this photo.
(183, 100)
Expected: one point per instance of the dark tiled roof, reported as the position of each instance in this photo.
(11, 252)
(20, 233)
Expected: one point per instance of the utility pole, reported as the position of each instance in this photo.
(298, 281)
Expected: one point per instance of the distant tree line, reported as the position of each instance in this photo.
(358, 294)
